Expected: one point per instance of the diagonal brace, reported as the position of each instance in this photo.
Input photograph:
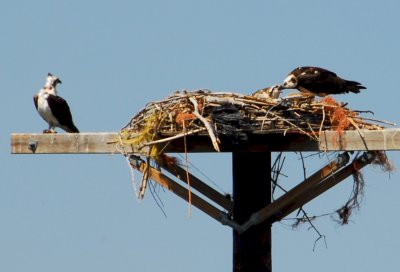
(328, 183)
(182, 192)
(309, 189)
(220, 199)
(276, 207)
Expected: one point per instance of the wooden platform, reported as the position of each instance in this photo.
(107, 142)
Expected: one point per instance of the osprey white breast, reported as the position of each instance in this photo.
(44, 110)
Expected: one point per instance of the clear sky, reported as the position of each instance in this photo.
(79, 212)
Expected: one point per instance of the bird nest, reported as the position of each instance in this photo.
(238, 116)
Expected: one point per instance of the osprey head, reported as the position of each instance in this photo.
(52, 80)
(274, 91)
(290, 82)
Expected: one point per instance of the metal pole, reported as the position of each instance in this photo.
(251, 192)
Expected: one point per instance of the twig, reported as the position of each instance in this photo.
(157, 198)
(312, 130)
(145, 179)
(183, 134)
(356, 127)
(308, 219)
(209, 128)
(187, 173)
(304, 176)
(374, 120)
(276, 170)
(132, 177)
(304, 166)
(265, 116)
(359, 131)
(323, 120)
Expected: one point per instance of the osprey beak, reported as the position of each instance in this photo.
(58, 81)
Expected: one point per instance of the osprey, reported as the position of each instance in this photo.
(272, 92)
(52, 108)
(319, 81)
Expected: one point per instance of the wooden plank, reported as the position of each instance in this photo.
(67, 143)
(386, 139)
(106, 143)
(74, 143)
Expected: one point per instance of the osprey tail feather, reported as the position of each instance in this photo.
(354, 86)
(71, 129)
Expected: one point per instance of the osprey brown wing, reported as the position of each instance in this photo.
(60, 109)
(35, 100)
(319, 81)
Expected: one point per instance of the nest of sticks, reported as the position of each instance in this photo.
(237, 116)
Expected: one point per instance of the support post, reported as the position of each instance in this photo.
(251, 192)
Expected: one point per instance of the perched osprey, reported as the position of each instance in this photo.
(319, 81)
(272, 92)
(54, 109)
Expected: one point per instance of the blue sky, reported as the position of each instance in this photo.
(79, 213)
